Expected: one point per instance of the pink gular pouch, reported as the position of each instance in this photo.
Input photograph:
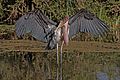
(66, 33)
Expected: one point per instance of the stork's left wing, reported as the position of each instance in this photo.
(85, 21)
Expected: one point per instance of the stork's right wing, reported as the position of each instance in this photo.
(35, 23)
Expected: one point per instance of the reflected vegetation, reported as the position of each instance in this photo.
(76, 66)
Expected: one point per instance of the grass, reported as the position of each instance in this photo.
(42, 66)
(6, 28)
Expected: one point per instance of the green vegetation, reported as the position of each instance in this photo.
(76, 65)
(42, 66)
(107, 10)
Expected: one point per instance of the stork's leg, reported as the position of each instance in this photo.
(61, 60)
(57, 75)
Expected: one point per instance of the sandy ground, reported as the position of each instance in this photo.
(37, 46)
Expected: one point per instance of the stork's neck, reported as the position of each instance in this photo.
(63, 31)
(61, 24)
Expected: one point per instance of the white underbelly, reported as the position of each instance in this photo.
(58, 33)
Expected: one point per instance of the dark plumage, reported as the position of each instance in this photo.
(42, 28)
(85, 21)
(35, 23)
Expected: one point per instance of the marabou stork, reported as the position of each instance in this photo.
(42, 28)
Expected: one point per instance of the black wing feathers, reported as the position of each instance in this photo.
(86, 21)
(35, 23)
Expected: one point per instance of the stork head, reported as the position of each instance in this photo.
(55, 34)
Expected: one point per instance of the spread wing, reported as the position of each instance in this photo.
(85, 21)
(35, 23)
